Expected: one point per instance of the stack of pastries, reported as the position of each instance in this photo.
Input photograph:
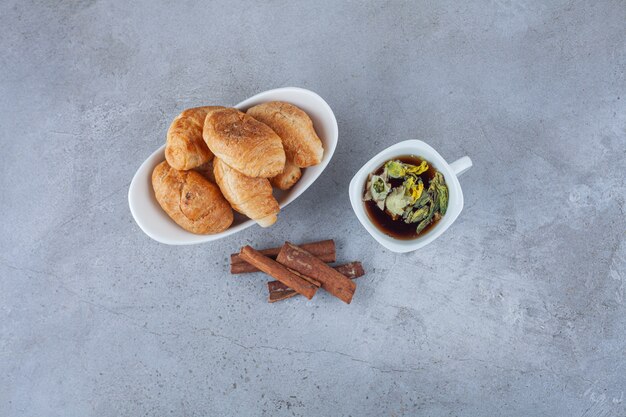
(218, 159)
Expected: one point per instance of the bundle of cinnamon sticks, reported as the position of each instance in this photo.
(299, 269)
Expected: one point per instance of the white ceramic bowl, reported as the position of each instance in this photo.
(450, 173)
(157, 224)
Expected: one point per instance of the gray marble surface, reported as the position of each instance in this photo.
(519, 309)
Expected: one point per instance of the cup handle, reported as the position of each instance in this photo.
(461, 165)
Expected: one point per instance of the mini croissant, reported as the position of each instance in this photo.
(185, 149)
(302, 145)
(244, 143)
(191, 200)
(249, 196)
(286, 179)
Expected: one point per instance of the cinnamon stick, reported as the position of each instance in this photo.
(279, 291)
(278, 271)
(351, 270)
(304, 277)
(307, 264)
(324, 249)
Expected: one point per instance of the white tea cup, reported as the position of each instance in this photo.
(450, 173)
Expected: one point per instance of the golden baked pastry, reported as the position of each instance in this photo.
(192, 201)
(302, 145)
(249, 196)
(244, 143)
(185, 149)
(286, 179)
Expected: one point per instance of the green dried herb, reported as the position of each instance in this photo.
(396, 201)
(433, 206)
(423, 224)
(414, 169)
(395, 169)
(413, 187)
(443, 199)
(439, 184)
(379, 188)
(423, 200)
(418, 215)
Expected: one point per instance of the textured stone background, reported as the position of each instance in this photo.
(519, 309)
